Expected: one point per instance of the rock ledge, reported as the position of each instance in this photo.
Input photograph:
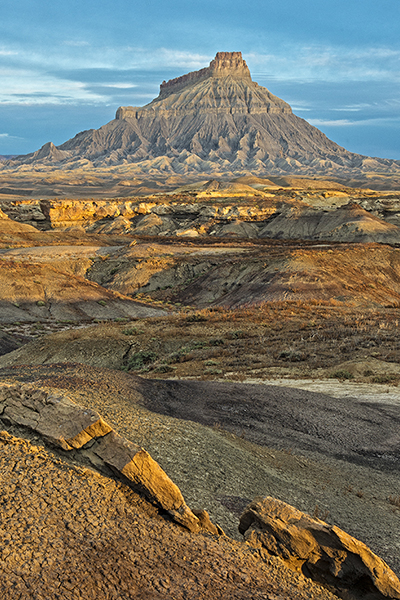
(66, 425)
(320, 551)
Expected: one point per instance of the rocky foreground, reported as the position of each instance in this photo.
(81, 534)
(69, 533)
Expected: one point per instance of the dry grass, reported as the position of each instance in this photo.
(275, 339)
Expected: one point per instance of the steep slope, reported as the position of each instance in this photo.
(216, 120)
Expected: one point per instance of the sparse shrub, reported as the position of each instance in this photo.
(175, 357)
(196, 344)
(210, 363)
(41, 303)
(132, 331)
(384, 378)
(341, 374)
(213, 371)
(216, 342)
(140, 359)
(291, 355)
(238, 333)
(102, 302)
(368, 373)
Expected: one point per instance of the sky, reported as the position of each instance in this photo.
(67, 66)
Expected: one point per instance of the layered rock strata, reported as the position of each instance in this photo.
(343, 223)
(225, 64)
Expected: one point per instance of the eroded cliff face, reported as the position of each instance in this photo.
(271, 218)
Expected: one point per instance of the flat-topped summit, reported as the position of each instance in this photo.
(225, 64)
(225, 86)
(213, 121)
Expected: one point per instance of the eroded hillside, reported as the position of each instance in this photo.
(163, 314)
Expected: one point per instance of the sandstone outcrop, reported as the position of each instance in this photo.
(70, 427)
(322, 552)
(215, 120)
(273, 219)
(8, 225)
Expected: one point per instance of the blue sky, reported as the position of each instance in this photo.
(66, 67)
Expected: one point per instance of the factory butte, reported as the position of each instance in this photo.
(213, 121)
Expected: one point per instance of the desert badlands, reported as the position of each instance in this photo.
(200, 356)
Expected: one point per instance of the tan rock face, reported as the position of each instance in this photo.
(322, 552)
(68, 426)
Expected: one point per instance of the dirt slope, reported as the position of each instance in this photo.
(81, 535)
(233, 275)
(47, 283)
(221, 471)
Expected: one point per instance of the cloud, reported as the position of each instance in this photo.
(354, 107)
(331, 122)
(77, 71)
(36, 76)
(348, 122)
(10, 137)
(176, 58)
(327, 63)
(26, 86)
(121, 86)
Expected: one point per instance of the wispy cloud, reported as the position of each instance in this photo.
(120, 86)
(354, 107)
(331, 122)
(352, 123)
(328, 63)
(36, 76)
(10, 137)
(26, 86)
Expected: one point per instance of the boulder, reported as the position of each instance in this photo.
(320, 551)
(71, 427)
